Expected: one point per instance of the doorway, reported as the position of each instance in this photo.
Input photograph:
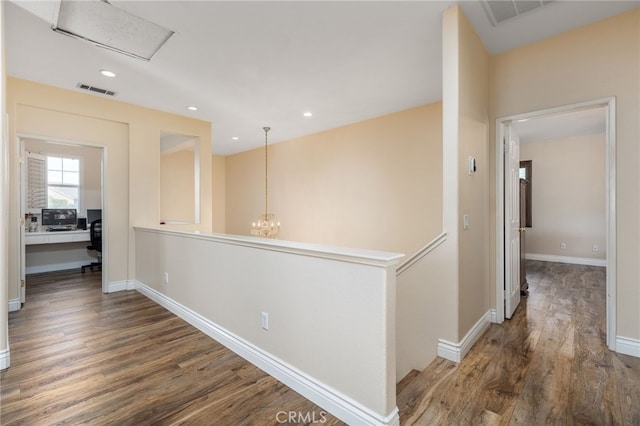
(504, 198)
(77, 170)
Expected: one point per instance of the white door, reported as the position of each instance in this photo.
(512, 222)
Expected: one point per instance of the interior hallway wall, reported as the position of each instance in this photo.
(592, 62)
(568, 196)
(375, 184)
(131, 137)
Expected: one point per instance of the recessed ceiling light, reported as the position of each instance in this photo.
(108, 73)
(192, 108)
(307, 114)
(235, 138)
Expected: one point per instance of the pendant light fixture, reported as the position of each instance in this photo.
(267, 225)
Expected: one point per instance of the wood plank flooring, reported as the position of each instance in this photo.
(549, 365)
(82, 357)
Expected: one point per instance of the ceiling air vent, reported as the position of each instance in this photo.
(499, 11)
(95, 89)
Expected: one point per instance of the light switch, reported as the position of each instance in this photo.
(465, 221)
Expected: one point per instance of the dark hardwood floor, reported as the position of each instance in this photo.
(548, 365)
(82, 357)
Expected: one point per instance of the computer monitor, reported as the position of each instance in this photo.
(59, 217)
(93, 214)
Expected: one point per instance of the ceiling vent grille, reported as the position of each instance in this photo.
(499, 11)
(95, 89)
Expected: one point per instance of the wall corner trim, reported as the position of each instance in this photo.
(457, 351)
(339, 405)
(628, 346)
(5, 359)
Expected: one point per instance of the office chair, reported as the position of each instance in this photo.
(95, 234)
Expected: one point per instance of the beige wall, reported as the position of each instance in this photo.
(592, 62)
(177, 186)
(331, 312)
(130, 137)
(218, 185)
(376, 184)
(466, 98)
(45, 123)
(474, 288)
(568, 196)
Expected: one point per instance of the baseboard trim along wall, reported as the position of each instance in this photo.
(334, 402)
(5, 359)
(121, 286)
(457, 351)
(627, 346)
(566, 259)
(14, 305)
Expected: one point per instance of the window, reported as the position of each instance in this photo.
(63, 182)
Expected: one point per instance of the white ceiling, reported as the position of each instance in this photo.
(252, 64)
(562, 125)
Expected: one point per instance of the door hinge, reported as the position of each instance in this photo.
(21, 159)
(21, 283)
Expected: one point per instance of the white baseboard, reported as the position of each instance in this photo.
(566, 259)
(14, 305)
(114, 286)
(5, 359)
(37, 269)
(494, 315)
(341, 406)
(627, 346)
(456, 351)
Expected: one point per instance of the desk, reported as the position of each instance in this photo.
(32, 238)
(55, 251)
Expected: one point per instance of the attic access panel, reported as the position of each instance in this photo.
(107, 26)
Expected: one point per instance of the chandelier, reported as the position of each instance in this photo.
(267, 225)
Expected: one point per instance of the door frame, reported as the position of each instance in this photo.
(609, 105)
(21, 187)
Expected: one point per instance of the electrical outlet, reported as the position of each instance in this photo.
(563, 246)
(594, 248)
(166, 278)
(264, 321)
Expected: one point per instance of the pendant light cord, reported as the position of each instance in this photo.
(266, 174)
